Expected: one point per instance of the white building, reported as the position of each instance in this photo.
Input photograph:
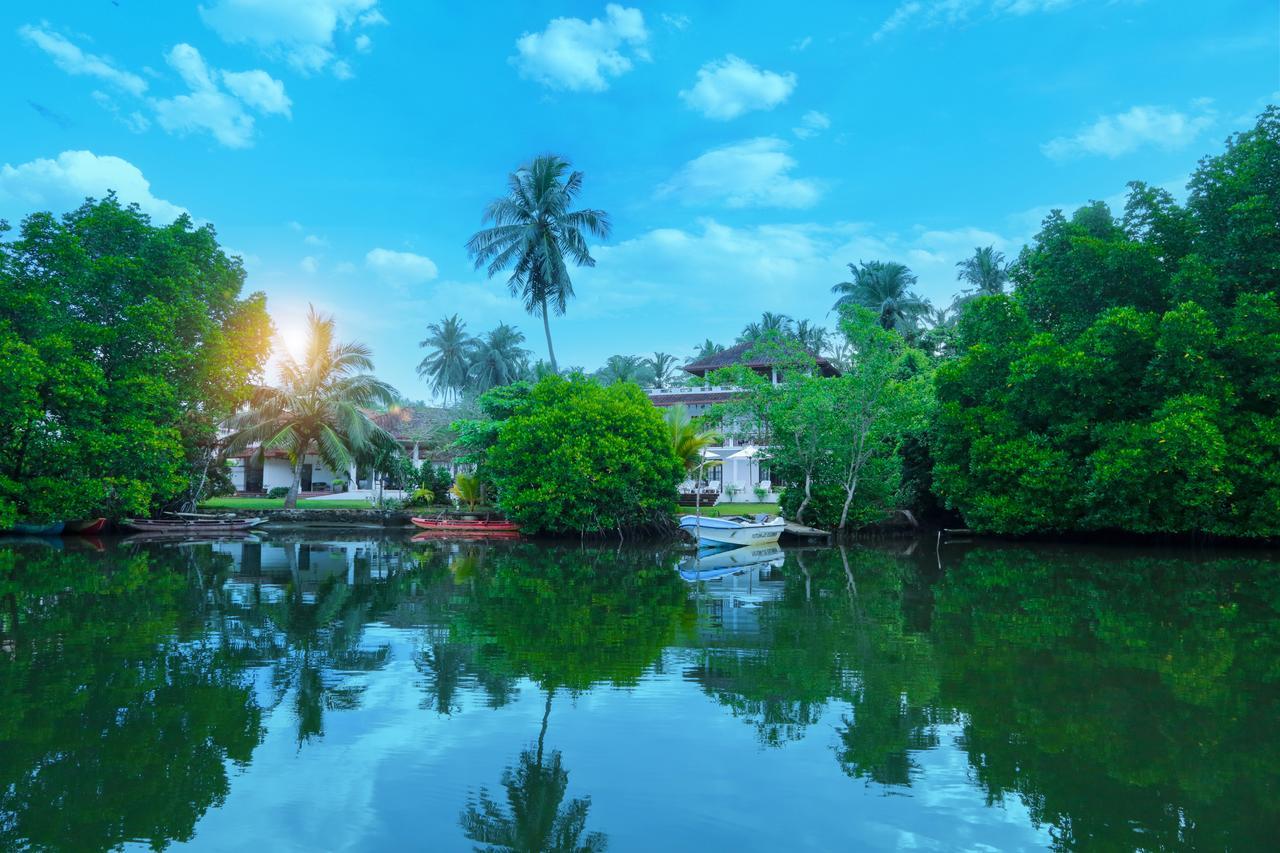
(742, 474)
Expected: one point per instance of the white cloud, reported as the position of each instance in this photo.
(401, 269)
(64, 182)
(363, 43)
(259, 90)
(309, 265)
(676, 22)
(315, 240)
(753, 173)
(209, 108)
(72, 60)
(1126, 132)
(933, 13)
(729, 87)
(811, 124)
(800, 45)
(580, 55)
(301, 31)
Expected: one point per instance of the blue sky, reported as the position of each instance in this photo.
(746, 151)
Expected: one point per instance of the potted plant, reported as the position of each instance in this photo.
(732, 490)
(761, 492)
(339, 485)
(468, 490)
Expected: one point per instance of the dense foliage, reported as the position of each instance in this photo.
(1132, 381)
(123, 345)
(574, 456)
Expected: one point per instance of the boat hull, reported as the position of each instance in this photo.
(146, 525)
(87, 527)
(54, 529)
(724, 532)
(468, 528)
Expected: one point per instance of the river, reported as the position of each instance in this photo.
(339, 692)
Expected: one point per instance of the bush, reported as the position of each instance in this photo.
(576, 456)
(421, 497)
(278, 492)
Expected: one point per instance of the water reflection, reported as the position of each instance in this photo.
(1116, 699)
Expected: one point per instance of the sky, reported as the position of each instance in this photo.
(746, 152)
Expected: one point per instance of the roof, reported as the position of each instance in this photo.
(737, 354)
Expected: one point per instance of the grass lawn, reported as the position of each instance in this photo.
(278, 503)
(731, 509)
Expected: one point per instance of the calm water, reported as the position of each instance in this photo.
(356, 694)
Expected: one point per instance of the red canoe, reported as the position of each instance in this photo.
(457, 525)
(88, 527)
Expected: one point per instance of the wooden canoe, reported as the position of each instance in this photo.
(461, 526)
(87, 527)
(194, 525)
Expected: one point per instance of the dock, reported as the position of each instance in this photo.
(801, 531)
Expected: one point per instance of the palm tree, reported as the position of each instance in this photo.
(497, 359)
(884, 287)
(706, 349)
(986, 273)
(449, 358)
(625, 368)
(771, 325)
(687, 440)
(319, 406)
(534, 232)
(812, 337)
(663, 365)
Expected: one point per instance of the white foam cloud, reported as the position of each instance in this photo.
(752, 173)
(259, 90)
(811, 124)
(300, 31)
(1126, 132)
(581, 56)
(209, 108)
(73, 60)
(401, 269)
(934, 13)
(65, 181)
(727, 88)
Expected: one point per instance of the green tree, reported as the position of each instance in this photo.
(986, 273)
(497, 359)
(123, 345)
(536, 233)
(625, 368)
(885, 288)
(707, 348)
(449, 357)
(663, 365)
(770, 325)
(577, 456)
(320, 406)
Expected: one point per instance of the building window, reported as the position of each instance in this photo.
(764, 474)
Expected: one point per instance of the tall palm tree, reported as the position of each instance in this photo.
(451, 349)
(497, 359)
(884, 287)
(706, 349)
(812, 337)
(535, 233)
(986, 272)
(663, 365)
(624, 368)
(319, 406)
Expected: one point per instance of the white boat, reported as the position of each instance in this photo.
(734, 529)
(712, 563)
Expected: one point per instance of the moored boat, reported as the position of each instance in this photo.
(190, 525)
(734, 529)
(86, 527)
(468, 527)
(712, 563)
(48, 528)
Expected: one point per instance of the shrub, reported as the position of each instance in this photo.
(278, 492)
(576, 456)
(421, 497)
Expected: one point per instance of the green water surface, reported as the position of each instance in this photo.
(345, 693)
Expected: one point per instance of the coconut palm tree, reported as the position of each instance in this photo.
(771, 325)
(535, 234)
(706, 349)
(884, 287)
(687, 439)
(812, 337)
(319, 407)
(663, 365)
(497, 359)
(449, 358)
(625, 368)
(986, 273)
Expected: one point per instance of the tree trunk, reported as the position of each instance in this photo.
(848, 499)
(808, 484)
(546, 325)
(291, 499)
(546, 715)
